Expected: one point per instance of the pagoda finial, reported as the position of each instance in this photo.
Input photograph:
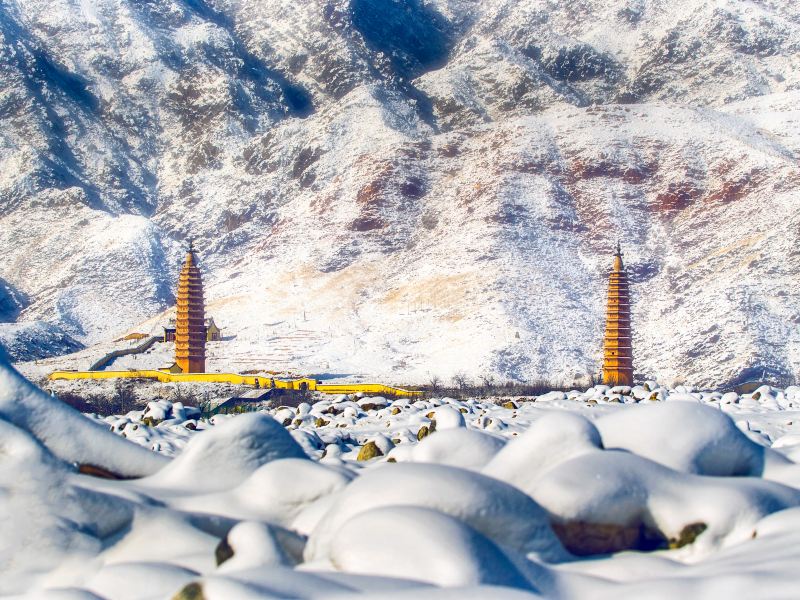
(191, 244)
(618, 266)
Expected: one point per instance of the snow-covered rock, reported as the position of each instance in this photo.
(228, 455)
(253, 544)
(142, 580)
(46, 521)
(465, 448)
(66, 433)
(685, 436)
(633, 502)
(554, 438)
(497, 510)
(412, 542)
(276, 492)
(447, 417)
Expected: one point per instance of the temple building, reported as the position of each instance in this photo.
(213, 331)
(169, 331)
(190, 330)
(617, 348)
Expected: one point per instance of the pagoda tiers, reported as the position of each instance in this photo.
(617, 349)
(190, 330)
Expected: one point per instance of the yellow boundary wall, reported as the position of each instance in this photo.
(236, 379)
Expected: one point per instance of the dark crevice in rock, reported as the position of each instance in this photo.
(416, 37)
(294, 97)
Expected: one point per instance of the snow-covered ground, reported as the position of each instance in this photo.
(605, 493)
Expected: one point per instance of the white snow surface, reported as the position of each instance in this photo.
(473, 510)
(46, 419)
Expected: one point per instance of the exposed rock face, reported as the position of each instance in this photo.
(585, 539)
(11, 302)
(32, 340)
(427, 174)
(368, 451)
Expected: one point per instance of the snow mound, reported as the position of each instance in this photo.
(226, 455)
(142, 580)
(465, 448)
(46, 520)
(276, 492)
(66, 433)
(497, 510)
(462, 593)
(182, 539)
(779, 523)
(613, 500)
(549, 441)
(66, 594)
(447, 417)
(421, 544)
(685, 436)
(271, 582)
(253, 545)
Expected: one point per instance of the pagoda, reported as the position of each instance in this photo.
(617, 349)
(190, 331)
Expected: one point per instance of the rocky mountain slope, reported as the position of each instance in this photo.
(424, 187)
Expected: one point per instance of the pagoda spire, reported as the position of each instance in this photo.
(190, 335)
(617, 348)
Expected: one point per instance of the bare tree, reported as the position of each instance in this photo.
(77, 402)
(124, 399)
(184, 394)
(118, 402)
(435, 382)
(460, 380)
(179, 393)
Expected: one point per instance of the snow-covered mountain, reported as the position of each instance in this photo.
(409, 188)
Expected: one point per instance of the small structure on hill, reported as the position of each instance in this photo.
(171, 368)
(213, 333)
(169, 331)
(190, 331)
(135, 336)
(617, 347)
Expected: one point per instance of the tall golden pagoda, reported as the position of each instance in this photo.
(190, 332)
(617, 349)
